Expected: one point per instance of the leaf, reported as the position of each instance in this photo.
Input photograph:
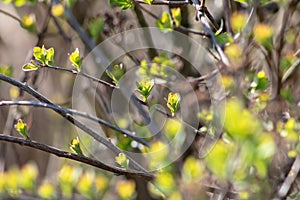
(164, 23)
(124, 4)
(40, 54)
(148, 1)
(95, 27)
(144, 88)
(173, 102)
(75, 59)
(28, 22)
(6, 70)
(75, 146)
(176, 14)
(50, 56)
(21, 128)
(287, 95)
(112, 76)
(122, 160)
(30, 67)
(57, 10)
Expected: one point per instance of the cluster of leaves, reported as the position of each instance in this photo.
(43, 56)
(158, 67)
(167, 22)
(20, 3)
(69, 180)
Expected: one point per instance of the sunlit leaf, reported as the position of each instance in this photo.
(28, 22)
(21, 128)
(95, 27)
(173, 102)
(124, 4)
(75, 59)
(176, 14)
(144, 87)
(75, 146)
(122, 160)
(125, 189)
(165, 23)
(57, 10)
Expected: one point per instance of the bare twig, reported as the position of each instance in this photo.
(11, 16)
(74, 71)
(286, 185)
(75, 112)
(70, 118)
(71, 156)
(163, 2)
(278, 49)
(200, 9)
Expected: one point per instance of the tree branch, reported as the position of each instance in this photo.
(71, 156)
(71, 119)
(74, 112)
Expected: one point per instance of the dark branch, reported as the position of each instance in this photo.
(71, 156)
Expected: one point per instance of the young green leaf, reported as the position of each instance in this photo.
(21, 128)
(57, 10)
(75, 59)
(144, 88)
(164, 23)
(43, 55)
(122, 160)
(148, 1)
(95, 27)
(6, 70)
(123, 4)
(287, 94)
(176, 14)
(75, 146)
(28, 23)
(50, 56)
(115, 73)
(173, 102)
(112, 76)
(40, 54)
(30, 67)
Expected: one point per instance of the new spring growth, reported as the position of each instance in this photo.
(21, 128)
(75, 146)
(122, 160)
(42, 55)
(173, 102)
(45, 56)
(144, 88)
(75, 59)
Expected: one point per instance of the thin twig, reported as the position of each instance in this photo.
(74, 71)
(71, 156)
(162, 2)
(70, 118)
(286, 185)
(75, 112)
(11, 16)
(200, 9)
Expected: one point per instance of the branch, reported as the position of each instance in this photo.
(71, 119)
(80, 158)
(163, 2)
(286, 185)
(201, 11)
(74, 112)
(73, 71)
(11, 16)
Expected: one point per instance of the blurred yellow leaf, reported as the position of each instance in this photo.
(238, 21)
(57, 10)
(125, 188)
